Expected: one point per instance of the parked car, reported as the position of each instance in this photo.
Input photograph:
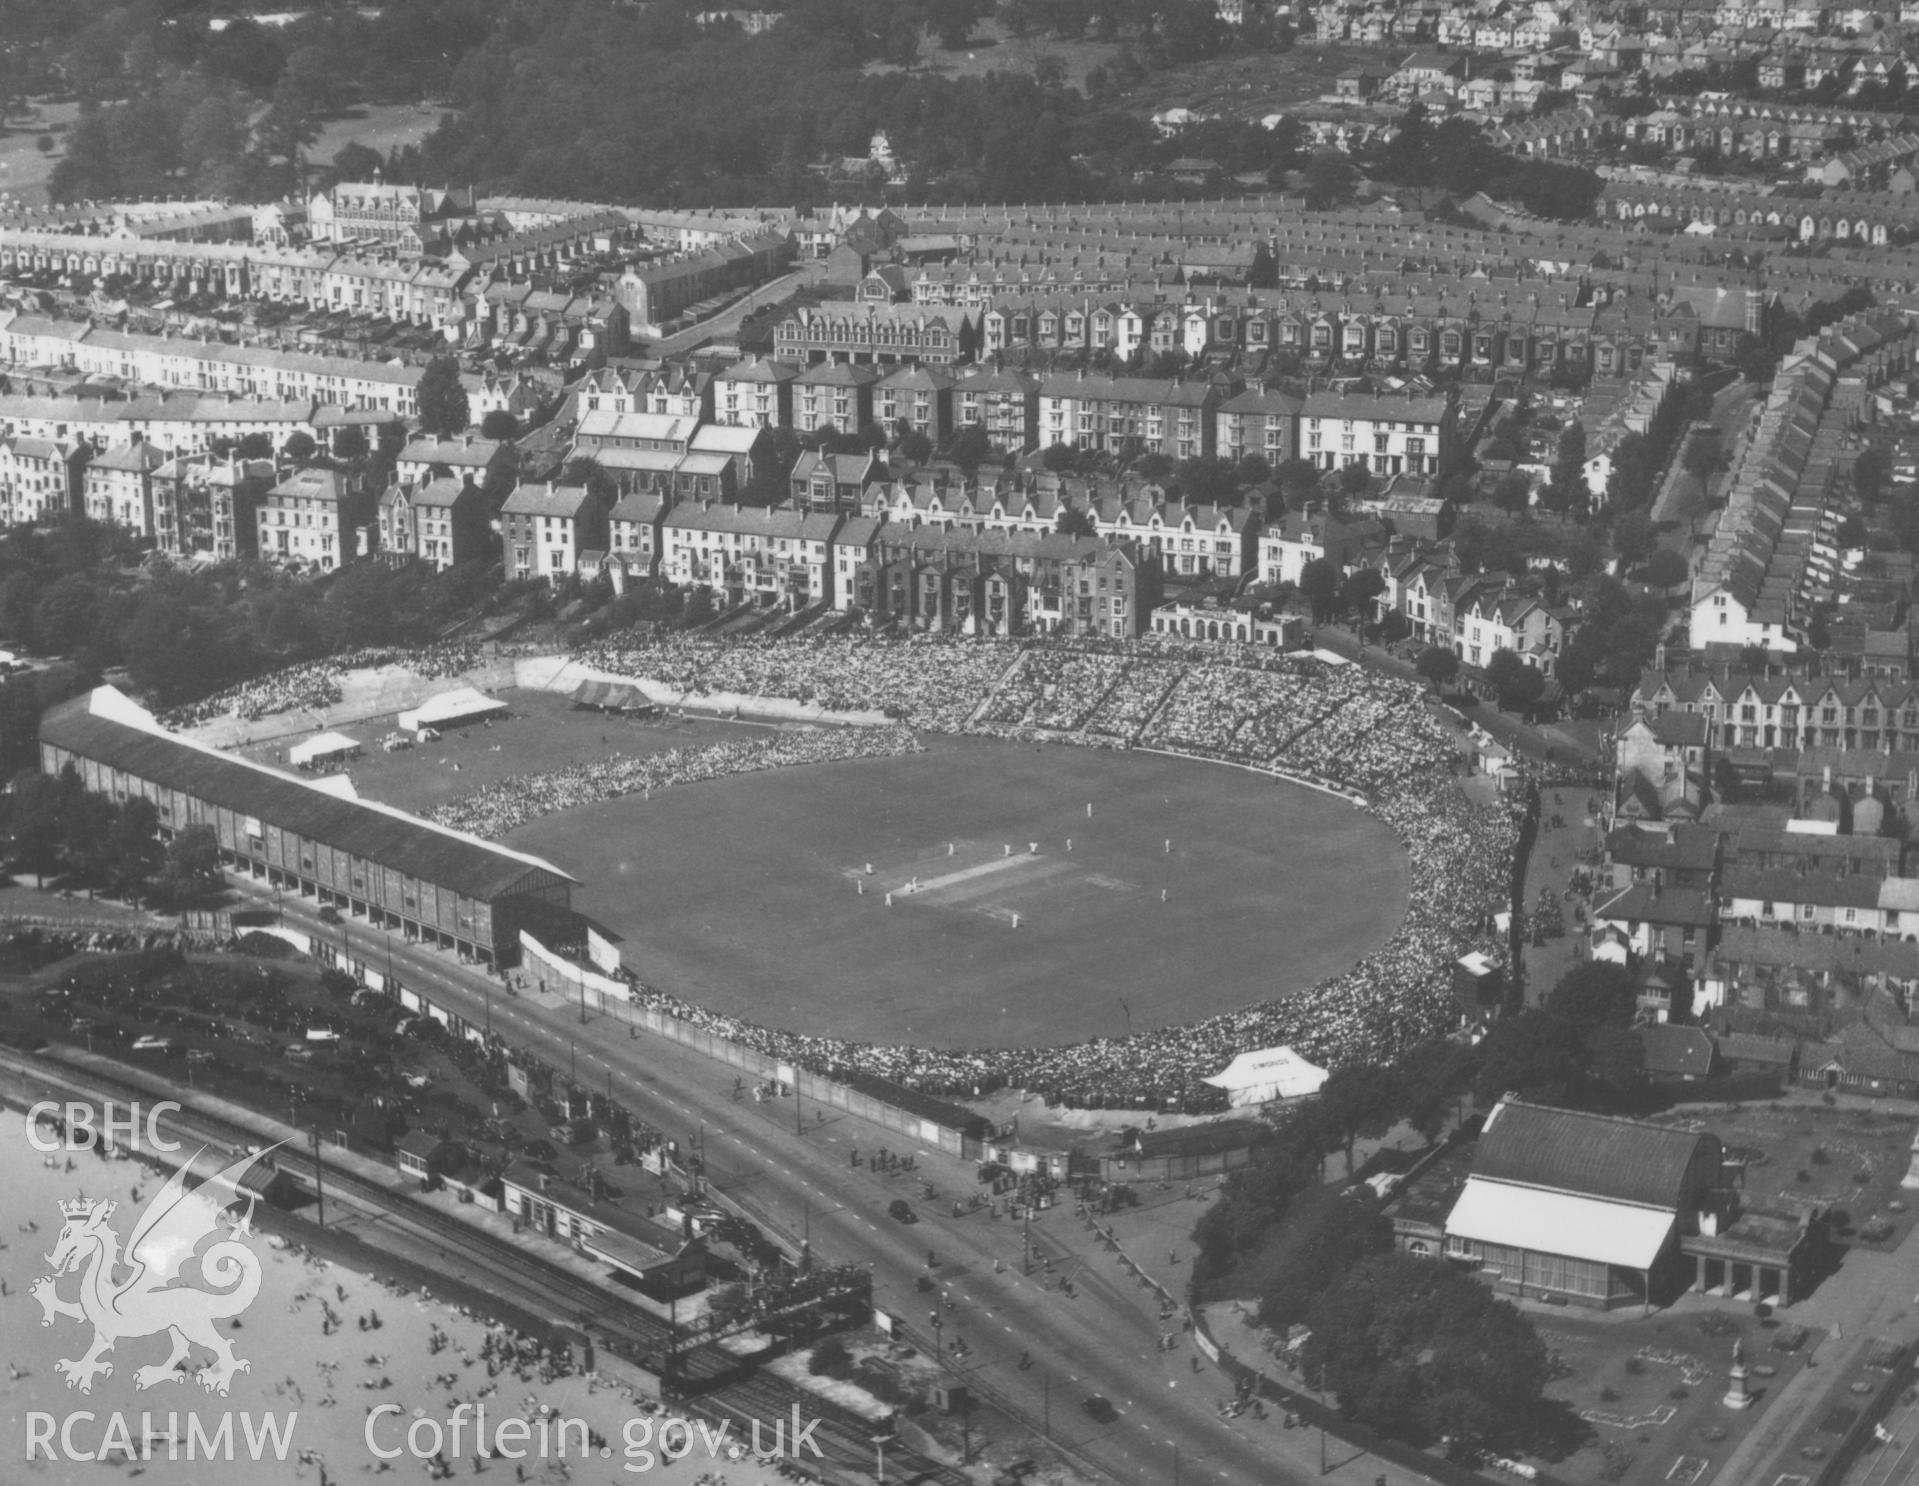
(901, 1211)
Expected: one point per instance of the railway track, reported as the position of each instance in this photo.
(516, 1275)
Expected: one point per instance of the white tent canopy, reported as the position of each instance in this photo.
(1271, 1073)
(450, 709)
(323, 746)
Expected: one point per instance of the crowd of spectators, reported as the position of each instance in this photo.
(925, 683)
(1369, 736)
(495, 809)
(315, 684)
(1053, 689)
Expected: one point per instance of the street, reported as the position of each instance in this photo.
(793, 1171)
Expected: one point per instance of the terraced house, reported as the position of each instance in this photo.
(1128, 416)
(750, 553)
(314, 516)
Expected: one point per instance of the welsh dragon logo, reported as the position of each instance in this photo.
(143, 1292)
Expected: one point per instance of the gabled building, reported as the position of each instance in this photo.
(547, 529)
(771, 557)
(441, 522)
(1663, 767)
(119, 486)
(835, 482)
(755, 394)
(1584, 1209)
(1388, 435)
(1312, 534)
(315, 516)
(916, 399)
(634, 532)
(1261, 423)
(834, 395)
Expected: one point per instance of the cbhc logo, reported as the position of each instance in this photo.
(73, 1127)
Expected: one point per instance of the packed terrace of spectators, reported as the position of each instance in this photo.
(496, 809)
(316, 684)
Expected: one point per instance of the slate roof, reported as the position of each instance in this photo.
(1675, 1052)
(1592, 1155)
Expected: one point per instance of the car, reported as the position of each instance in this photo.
(1099, 1408)
(329, 914)
(901, 1211)
(151, 1043)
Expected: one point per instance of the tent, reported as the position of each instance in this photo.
(451, 709)
(1271, 1073)
(612, 696)
(323, 748)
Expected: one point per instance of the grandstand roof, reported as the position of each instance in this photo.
(106, 727)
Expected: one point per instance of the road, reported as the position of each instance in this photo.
(727, 322)
(792, 1167)
(1681, 504)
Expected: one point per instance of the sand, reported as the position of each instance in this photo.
(327, 1380)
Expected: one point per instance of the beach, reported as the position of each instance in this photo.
(342, 1368)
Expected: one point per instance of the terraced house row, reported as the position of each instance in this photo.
(930, 577)
(1774, 554)
(1591, 329)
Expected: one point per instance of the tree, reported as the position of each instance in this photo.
(1075, 521)
(1702, 460)
(1359, 1101)
(1634, 537)
(354, 161)
(1616, 1060)
(1517, 684)
(1355, 479)
(914, 447)
(1319, 583)
(191, 871)
(1298, 479)
(1437, 665)
(1870, 473)
(1666, 569)
(1330, 179)
(1569, 465)
(441, 399)
(1422, 1352)
(499, 424)
(299, 446)
(38, 822)
(1534, 1055)
(1513, 491)
(971, 448)
(1361, 588)
(1575, 669)
(86, 847)
(254, 446)
(350, 442)
(1334, 1235)
(1593, 995)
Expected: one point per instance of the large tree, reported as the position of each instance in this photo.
(1420, 1351)
(442, 401)
(191, 871)
(135, 850)
(1319, 584)
(1437, 665)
